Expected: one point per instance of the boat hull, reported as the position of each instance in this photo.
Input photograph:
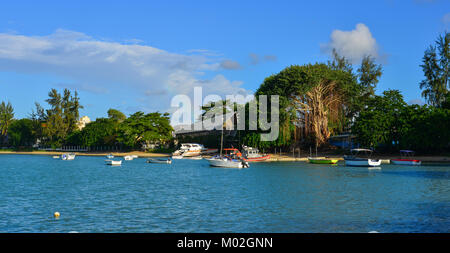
(409, 162)
(225, 163)
(256, 159)
(112, 162)
(362, 162)
(159, 161)
(322, 160)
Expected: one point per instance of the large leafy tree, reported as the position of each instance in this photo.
(6, 117)
(142, 128)
(315, 101)
(435, 66)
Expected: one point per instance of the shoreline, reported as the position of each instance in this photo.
(273, 157)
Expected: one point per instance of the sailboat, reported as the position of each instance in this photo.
(227, 161)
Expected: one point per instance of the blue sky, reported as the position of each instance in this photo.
(136, 55)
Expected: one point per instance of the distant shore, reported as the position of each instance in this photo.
(273, 157)
(138, 153)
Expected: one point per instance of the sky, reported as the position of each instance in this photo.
(137, 55)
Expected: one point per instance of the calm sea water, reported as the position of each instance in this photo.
(190, 196)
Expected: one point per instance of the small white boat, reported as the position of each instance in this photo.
(134, 156)
(177, 157)
(355, 161)
(56, 157)
(160, 160)
(113, 162)
(226, 162)
(68, 156)
(128, 158)
(110, 156)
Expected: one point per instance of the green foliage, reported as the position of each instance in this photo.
(21, 133)
(62, 117)
(6, 117)
(142, 128)
(101, 132)
(436, 64)
(388, 123)
(116, 115)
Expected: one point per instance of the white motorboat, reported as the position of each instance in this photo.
(226, 162)
(128, 158)
(113, 162)
(193, 149)
(177, 157)
(160, 160)
(110, 156)
(68, 156)
(56, 157)
(355, 160)
(134, 156)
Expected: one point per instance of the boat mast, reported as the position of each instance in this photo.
(221, 139)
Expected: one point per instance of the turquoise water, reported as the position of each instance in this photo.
(190, 196)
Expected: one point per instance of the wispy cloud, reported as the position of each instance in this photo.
(91, 62)
(256, 59)
(446, 19)
(354, 44)
(229, 64)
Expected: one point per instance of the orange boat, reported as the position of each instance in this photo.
(250, 154)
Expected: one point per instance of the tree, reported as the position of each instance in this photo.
(142, 128)
(62, 117)
(101, 132)
(6, 117)
(369, 74)
(116, 115)
(435, 67)
(21, 133)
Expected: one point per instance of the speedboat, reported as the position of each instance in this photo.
(160, 160)
(251, 154)
(193, 149)
(318, 160)
(113, 162)
(406, 159)
(355, 160)
(227, 162)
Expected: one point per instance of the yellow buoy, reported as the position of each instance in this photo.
(56, 215)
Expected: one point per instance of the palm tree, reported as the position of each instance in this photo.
(436, 64)
(6, 116)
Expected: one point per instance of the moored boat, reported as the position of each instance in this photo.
(355, 160)
(318, 160)
(193, 149)
(227, 162)
(113, 162)
(68, 156)
(110, 156)
(159, 160)
(128, 158)
(407, 159)
(251, 154)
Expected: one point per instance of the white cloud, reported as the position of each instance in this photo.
(88, 61)
(353, 44)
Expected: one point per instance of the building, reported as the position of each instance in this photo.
(82, 122)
